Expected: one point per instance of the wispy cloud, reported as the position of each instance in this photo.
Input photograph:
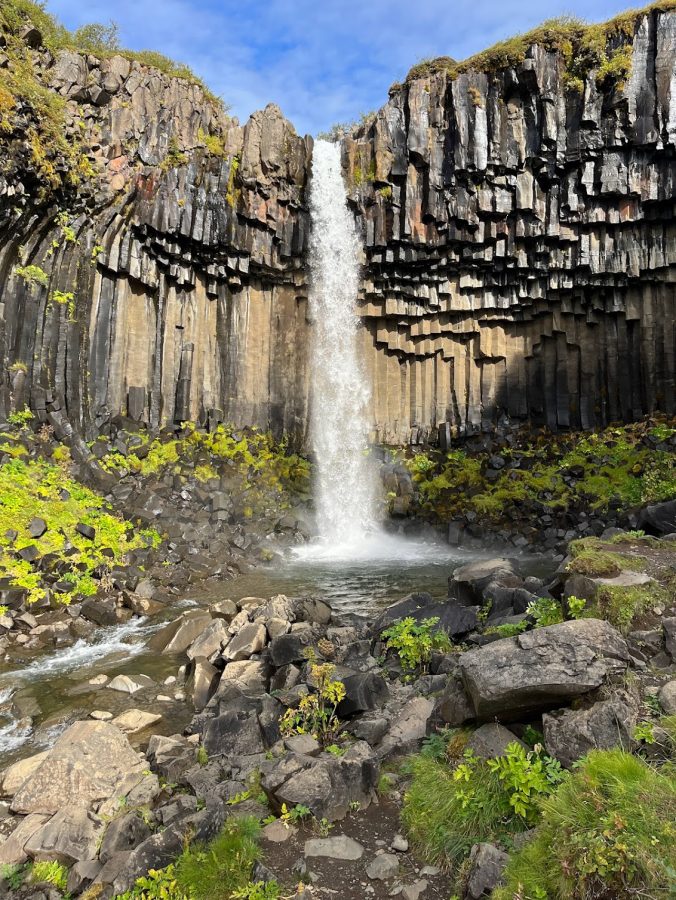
(322, 61)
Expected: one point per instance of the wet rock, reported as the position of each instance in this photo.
(85, 765)
(542, 667)
(339, 847)
(127, 684)
(486, 864)
(570, 734)
(134, 720)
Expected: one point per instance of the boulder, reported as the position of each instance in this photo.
(486, 864)
(454, 618)
(250, 639)
(667, 697)
(85, 766)
(468, 583)
(202, 681)
(541, 668)
(12, 851)
(248, 675)
(170, 757)
(133, 720)
(212, 640)
(452, 706)
(15, 775)
(233, 734)
(571, 733)
(326, 784)
(178, 635)
(364, 691)
(491, 740)
(123, 834)
(408, 728)
(127, 685)
(659, 518)
(70, 836)
(288, 648)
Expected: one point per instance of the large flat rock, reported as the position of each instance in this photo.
(83, 767)
(542, 668)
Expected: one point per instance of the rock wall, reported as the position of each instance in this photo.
(520, 245)
(519, 241)
(173, 275)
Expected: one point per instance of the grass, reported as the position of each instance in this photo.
(447, 808)
(605, 47)
(218, 870)
(589, 558)
(31, 489)
(607, 832)
(621, 606)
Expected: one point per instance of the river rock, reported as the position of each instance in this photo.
(178, 635)
(542, 667)
(170, 757)
(70, 836)
(85, 766)
(454, 618)
(134, 720)
(570, 734)
(16, 774)
(288, 648)
(363, 691)
(201, 681)
(12, 851)
(249, 640)
(214, 637)
(468, 583)
(127, 684)
(249, 675)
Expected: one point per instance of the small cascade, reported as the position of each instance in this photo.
(347, 492)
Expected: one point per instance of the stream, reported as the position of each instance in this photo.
(42, 696)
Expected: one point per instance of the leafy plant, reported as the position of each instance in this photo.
(52, 872)
(13, 875)
(296, 814)
(414, 641)
(545, 611)
(336, 750)
(21, 417)
(158, 884)
(259, 890)
(316, 713)
(528, 775)
(645, 732)
(32, 275)
(576, 606)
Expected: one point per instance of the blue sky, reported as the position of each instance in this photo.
(322, 61)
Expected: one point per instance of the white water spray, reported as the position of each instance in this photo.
(346, 481)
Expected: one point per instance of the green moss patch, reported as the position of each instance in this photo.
(38, 489)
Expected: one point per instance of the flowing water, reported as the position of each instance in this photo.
(346, 486)
(354, 565)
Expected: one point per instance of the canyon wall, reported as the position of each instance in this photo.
(519, 249)
(521, 245)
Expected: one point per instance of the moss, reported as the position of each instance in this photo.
(232, 193)
(35, 489)
(621, 606)
(213, 143)
(591, 559)
(175, 157)
(607, 832)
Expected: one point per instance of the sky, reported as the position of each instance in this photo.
(321, 61)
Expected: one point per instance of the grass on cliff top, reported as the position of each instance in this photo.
(584, 47)
(614, 466)
(38, 489)
(607, 832)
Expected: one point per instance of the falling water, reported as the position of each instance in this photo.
(346, 481)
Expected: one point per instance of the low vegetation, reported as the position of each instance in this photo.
(453, 804)
(219, 870)
(36, 489)
(608, 831)
(620, 466)
(413, 642)
(316, 713)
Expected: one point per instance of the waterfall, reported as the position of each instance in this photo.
(346, 493)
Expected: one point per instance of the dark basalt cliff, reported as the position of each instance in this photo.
(519, 239)
(521, 245)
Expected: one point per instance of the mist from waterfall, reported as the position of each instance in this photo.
(346, 486)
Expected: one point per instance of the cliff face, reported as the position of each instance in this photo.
(519, 240)
(520, 243)
(165, 285)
